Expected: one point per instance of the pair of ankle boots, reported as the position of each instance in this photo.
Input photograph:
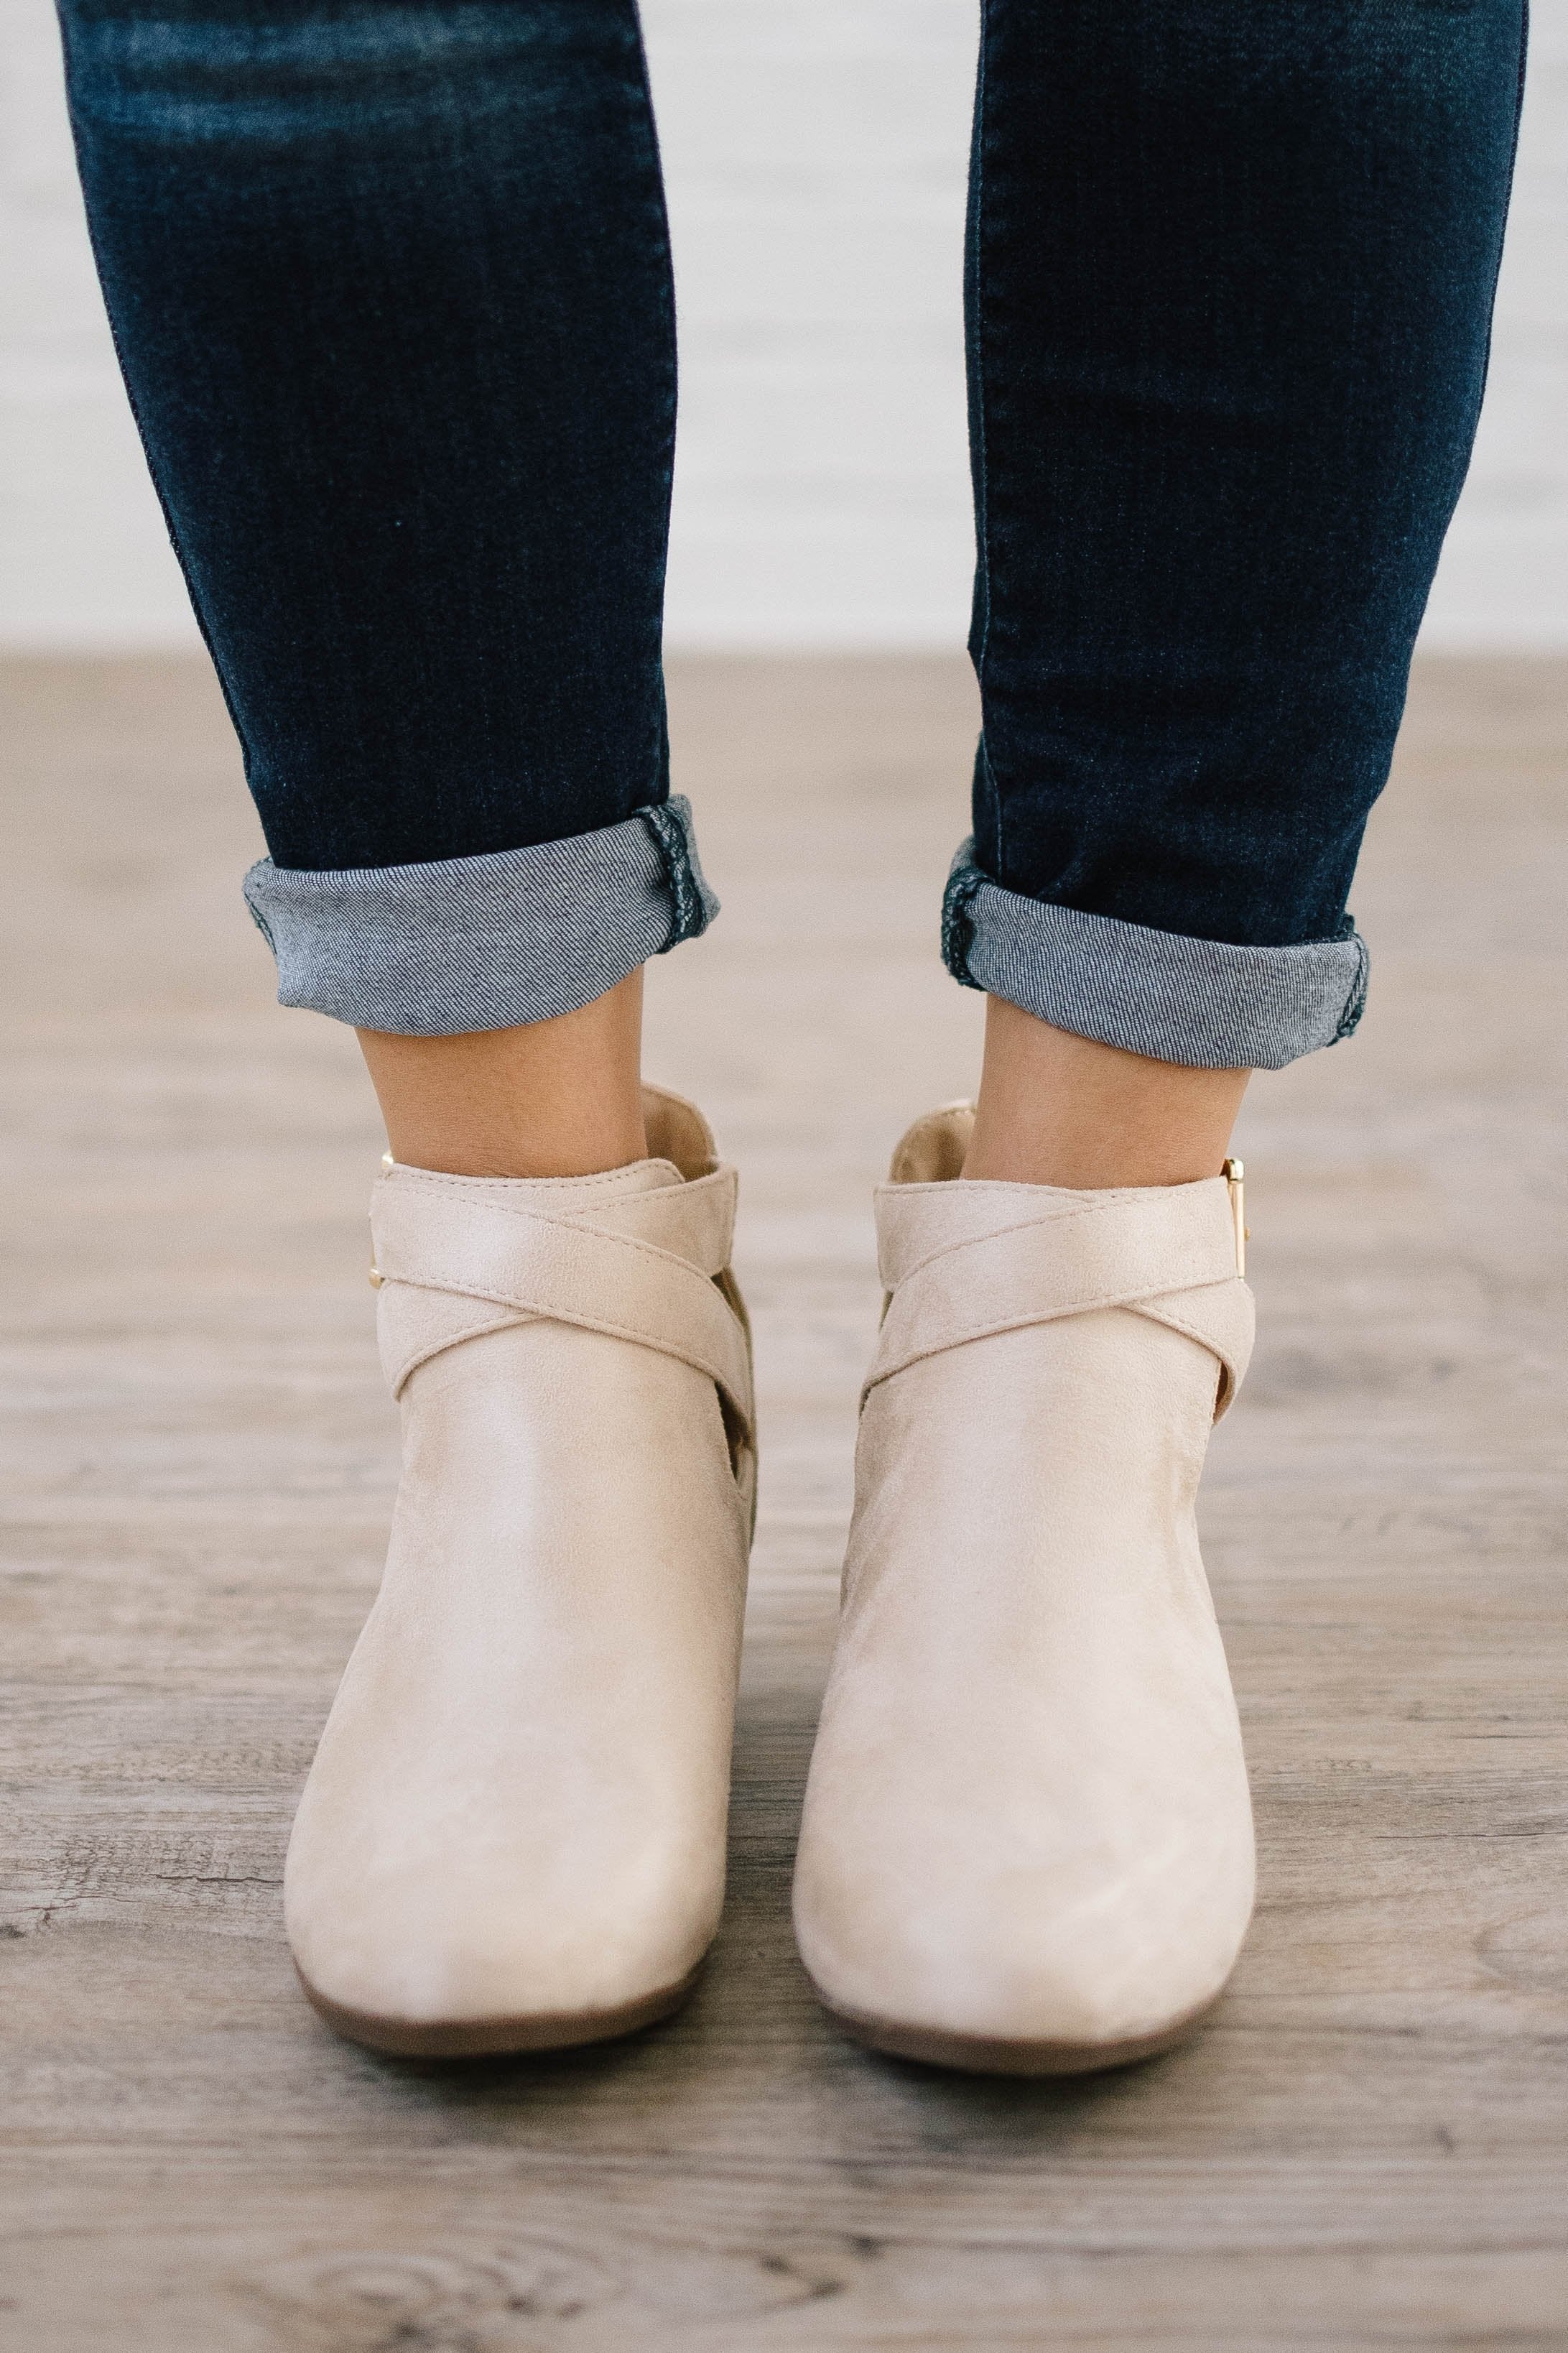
(1027, 1841)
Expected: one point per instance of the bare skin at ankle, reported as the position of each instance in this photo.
(559, 1098)
(1060, 1110)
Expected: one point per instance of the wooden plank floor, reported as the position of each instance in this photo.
(1366, 2148)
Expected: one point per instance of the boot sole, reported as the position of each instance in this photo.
(478, 2038)
(982, 2054)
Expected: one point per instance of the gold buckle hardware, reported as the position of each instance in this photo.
(1235, 1174)
(376, 1276)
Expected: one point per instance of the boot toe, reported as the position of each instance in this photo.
(1026, 1969)
(450, 1962)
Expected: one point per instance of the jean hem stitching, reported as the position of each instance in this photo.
(1200, 1003)
(488, 941)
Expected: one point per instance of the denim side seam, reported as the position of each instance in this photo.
(458, 944)
(963, 880)
(692, 903)
(1205, 1004)
(1355, 1003)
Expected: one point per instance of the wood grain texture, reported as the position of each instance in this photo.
(1366, 2148)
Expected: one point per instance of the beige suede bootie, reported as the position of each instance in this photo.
(1028, 1843)
(512, 1837)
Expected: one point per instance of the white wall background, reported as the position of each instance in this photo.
(815, 157)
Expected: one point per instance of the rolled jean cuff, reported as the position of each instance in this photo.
(1205, 1004)
(465, 944)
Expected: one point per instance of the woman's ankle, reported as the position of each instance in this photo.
(1055, 1109)
(559, 1098)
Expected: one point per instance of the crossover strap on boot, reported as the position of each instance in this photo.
(1168, 1254)
(484, 1266)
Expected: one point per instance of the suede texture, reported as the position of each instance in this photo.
(515, 1824)
(1027, 1836)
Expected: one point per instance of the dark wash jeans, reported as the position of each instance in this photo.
(391, 288)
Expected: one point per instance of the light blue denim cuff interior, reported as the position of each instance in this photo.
(1203, 1003)
(464, 943)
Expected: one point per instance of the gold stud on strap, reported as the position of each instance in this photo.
(1235, 1174)
(387, 1164)
(376, 1278)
